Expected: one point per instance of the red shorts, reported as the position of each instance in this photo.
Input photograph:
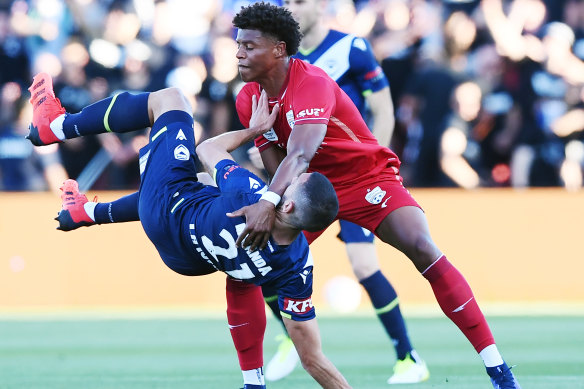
(370, 200)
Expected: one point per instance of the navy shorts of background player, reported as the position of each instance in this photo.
(187, 223)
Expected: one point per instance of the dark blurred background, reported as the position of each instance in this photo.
(486, 93)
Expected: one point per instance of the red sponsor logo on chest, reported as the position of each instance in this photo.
(310, 112)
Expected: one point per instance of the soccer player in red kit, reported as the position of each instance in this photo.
(319, 129)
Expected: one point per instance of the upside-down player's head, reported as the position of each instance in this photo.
(310, 203)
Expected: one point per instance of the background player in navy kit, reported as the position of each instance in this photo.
(187, 221)
(350, 61)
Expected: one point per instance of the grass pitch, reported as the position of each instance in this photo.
(197, 353)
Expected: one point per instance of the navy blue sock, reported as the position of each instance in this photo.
(385, 302)
(124, 209)
(123, 112)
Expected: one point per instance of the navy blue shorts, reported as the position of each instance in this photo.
(168, 168)
(353, 233)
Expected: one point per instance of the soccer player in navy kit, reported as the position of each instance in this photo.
(350, 61)
(187, 220)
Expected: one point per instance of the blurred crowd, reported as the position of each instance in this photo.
(487, 93)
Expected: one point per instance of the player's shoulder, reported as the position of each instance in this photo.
(356, 41)
(336, 35)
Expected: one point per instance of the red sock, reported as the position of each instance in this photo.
(246, 316)
(458, 303)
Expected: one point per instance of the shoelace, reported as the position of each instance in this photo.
(505, 379)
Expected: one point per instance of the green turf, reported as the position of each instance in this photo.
(197, 353)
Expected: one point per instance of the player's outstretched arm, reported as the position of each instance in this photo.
(302, 145)
(218, 148)
(306, 338)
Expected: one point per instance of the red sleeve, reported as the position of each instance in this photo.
(314, 101)
(243, 108)
(262, 143)
(243, 102)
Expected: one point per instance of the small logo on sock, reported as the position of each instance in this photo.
(236, 325)
(462, 306)
(181, 135)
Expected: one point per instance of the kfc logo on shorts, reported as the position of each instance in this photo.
(298, 306)
(375, 196)
(310, 112)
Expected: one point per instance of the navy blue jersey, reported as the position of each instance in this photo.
(349, 61)
(187, 223)
(213, 234)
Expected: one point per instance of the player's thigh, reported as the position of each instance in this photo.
(407, 230)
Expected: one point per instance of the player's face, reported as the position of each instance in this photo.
(306, 12)
(255, 54)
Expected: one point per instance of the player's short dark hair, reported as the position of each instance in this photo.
(276, 22)
(317, 204)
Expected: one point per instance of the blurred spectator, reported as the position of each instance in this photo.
(22, 166)
(420, 115)
(13, 59)
(517, 63)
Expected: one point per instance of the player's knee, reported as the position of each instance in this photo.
(422, 251)
(363, 258)
(168, 99)
(363, 268)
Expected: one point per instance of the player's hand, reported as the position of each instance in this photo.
(261, 119)
(259, 220)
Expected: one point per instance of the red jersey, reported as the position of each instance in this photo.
(348, 151)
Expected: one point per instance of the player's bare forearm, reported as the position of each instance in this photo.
(291, 166)
(306, 338)
(383, 117)
(216, 149)
(259, 217)
(303, 143)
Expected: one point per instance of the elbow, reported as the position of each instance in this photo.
(301, 158)
(202, 150)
